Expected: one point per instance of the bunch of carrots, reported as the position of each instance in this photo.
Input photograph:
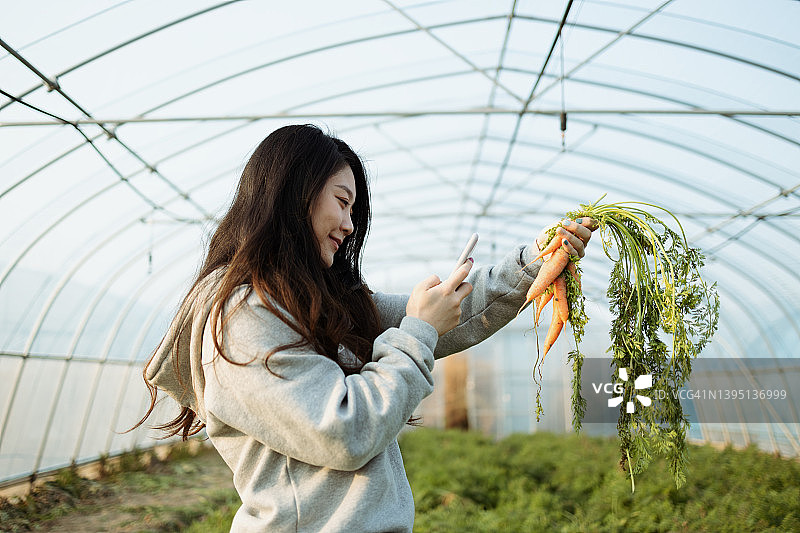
(551, 284)
(655, 288)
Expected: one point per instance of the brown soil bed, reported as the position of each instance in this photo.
(162, 496)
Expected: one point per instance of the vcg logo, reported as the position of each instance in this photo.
(640, 383)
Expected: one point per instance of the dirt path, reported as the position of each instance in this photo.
(171, 498)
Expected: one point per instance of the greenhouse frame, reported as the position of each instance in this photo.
(125, 125)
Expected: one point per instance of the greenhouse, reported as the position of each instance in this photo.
(125, 127)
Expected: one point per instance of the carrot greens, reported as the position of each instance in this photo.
(655, 289)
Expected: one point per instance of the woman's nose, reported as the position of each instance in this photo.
(347, 224)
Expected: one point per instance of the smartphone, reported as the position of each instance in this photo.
(467, 250)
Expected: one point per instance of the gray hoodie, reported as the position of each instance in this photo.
(313, 449)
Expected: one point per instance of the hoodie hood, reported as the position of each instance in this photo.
(177, 369)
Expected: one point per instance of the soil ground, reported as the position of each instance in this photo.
(167, 497)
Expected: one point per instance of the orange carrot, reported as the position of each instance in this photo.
(555, 329)
(542, 301)
(560, 298)
(551, 247)
(547, 273)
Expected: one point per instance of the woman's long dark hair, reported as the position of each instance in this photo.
(266, 241)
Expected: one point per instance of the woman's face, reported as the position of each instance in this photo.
(331, 211)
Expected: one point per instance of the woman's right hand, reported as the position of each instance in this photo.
(439, 302)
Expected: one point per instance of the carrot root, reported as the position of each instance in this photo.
(551, 247)
(547, 274)
(545, 297)
(560, 298)
(556, 324)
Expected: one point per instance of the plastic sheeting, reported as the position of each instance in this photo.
(123, 127)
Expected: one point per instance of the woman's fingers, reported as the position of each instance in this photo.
(571, 243)
(431, 281)
(575, 234)
(464, 289)
(581, 229)
(571, 248)
(588, 222)
(439, 302)
(458, 275)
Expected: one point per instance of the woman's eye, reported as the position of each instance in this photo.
(345, 201)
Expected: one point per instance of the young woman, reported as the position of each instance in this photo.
(301, 375)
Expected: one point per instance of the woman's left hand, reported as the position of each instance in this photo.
(576, 232)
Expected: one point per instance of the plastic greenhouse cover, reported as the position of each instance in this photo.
(124, 127)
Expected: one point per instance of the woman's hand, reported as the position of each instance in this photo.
(439, 302)
(576, 232)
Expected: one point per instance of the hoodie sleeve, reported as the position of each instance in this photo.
(304, 406)
(498, 292)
